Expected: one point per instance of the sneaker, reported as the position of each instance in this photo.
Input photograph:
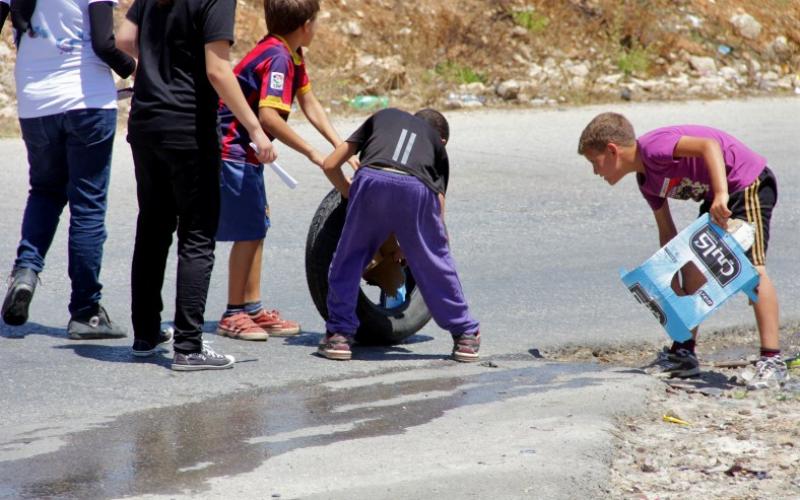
(203, 360)
(335, 346)
(767, 373)
(466, 347)
(94, 325)
(680, 364)
(794, 362)
(21, 285)
(142, 348)
(274, 325)
(241, 326)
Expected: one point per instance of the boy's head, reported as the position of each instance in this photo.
(286, 16)
(435, 120)
(602, 142)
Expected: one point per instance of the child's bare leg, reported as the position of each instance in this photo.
(767, 311)
(252, 289)
(693, 280)
(240, 264)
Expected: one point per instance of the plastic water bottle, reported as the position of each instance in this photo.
(369, 102)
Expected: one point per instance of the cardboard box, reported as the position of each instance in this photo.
(715, 253)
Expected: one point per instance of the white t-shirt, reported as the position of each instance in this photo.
(57, 70)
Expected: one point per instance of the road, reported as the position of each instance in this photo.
(538, 241)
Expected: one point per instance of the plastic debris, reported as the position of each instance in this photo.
(724, 49)
(369, 102)
(674, 420)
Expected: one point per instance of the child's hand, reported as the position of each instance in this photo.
(353, 161)
(316, 158)
(265, 152)
(719, 210)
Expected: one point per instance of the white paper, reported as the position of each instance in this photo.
(283, 174)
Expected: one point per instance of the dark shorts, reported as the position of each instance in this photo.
(244, 212)
(754, 204)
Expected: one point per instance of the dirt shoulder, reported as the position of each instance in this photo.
(734, 443)
(526, 53)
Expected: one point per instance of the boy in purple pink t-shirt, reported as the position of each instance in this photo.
(730, 180)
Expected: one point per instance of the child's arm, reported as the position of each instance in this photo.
(319, 119)
(332, 166)
(220, 74)
(271, 120)
(666, 226)
(711, 153)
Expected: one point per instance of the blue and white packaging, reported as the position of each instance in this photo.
(716, 253)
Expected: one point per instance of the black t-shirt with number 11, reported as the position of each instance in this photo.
(396, 139)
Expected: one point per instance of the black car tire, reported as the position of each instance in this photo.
(379, 325)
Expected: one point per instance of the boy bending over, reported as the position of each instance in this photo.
(730, 180)
(399, 189)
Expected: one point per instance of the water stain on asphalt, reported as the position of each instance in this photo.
(174, 450)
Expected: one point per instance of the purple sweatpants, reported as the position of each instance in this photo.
(385, 202)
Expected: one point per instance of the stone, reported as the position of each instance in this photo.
(779, 49)
(508, 90)
(352, 28)
(703, 65)
(746, 25)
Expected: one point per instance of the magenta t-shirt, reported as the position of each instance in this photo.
(687, 178)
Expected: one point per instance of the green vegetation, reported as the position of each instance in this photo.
(635, 60)
(531, 20)
(457, 73)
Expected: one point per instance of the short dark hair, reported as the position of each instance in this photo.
(604, 129)
(435, 120)
(285, 16)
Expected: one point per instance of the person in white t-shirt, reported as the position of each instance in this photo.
(67, 114)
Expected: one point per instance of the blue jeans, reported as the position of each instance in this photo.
(70, 161)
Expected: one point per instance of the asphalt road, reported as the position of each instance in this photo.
(538, 240)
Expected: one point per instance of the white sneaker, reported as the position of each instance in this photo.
(767, 373)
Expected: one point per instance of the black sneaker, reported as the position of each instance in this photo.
(680, 364)
(94, 325)
(143, 348)
(203, 360)
(21, 285)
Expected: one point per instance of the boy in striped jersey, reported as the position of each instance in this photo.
(271, 76)
(730, 180)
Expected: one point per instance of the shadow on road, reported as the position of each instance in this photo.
(115, 354)
(30, 328)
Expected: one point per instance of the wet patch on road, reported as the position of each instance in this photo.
(174, 450)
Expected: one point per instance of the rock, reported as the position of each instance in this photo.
(580, 69)
(519, 32)
(508, 89)
(351, 28)
(746, 25)
(703, 65)
(473, 88)
(610, 79)
(779, 49)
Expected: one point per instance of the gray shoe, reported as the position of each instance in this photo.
(203, 360)
(142, 348)
(21, 285)
(768, 373)
(94, 325)
(680, 364)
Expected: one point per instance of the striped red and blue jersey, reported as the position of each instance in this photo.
(270, 76)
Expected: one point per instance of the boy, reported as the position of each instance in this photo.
(271, 75)
(712, 167)
(399, 189)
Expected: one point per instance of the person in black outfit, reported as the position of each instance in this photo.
(183, 49)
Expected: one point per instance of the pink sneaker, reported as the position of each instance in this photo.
(241, 326)
(276, 326)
